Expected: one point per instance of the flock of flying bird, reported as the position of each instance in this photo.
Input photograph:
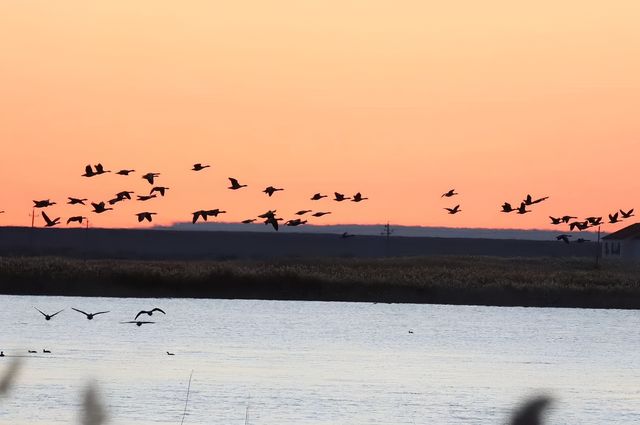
(90, 316)
(580, 225)
(269, 217)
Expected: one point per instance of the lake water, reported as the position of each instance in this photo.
(319, 363)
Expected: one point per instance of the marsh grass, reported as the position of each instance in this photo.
(453, 280)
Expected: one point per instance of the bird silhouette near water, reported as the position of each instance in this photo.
(49, 316)
(149, 312)
(139, 322)
(89, 316)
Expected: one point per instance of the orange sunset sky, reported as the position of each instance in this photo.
(401, 100)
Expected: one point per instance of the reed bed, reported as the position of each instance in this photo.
(568, 282)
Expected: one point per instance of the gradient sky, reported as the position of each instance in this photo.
(399, 100)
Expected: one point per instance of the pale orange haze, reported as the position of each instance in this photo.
(399, 100)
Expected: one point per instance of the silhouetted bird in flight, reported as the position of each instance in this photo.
(580, 225)
(555, 220)
(89, 315)
(271, 190)
(76, 219)
(125, 172)
(50, 223)
(146, 197)
(317, 197)
(522, 209)
(125, 194)
(215, 212)
(268, 214)
(303, 212)
(160, 189)
(566, 218)
(273, 221)
(99, 208)
(121, 196)
(248, 221)
(346, 235)
(613, 218)
(138, 322)
(149, 312)
(627, 214)
(199, 214)
(581, 240)
(75, 201)
(454, 210)
(48, 316)
(507, 208)
(564, 238)
(449, 194)
(43, 204)
(88, 171)
(100, 169)
(320, 213)
(31, 351)
(199, 167)
(204, 214)
(594, 221)
(235, 185)
(145, 216)
(339, 197)
(170, 354)
(295, 222)
(45, 351)
(150, 177)
(358, 197)
(1, 212)
(530, 201)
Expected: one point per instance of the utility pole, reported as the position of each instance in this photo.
(598, 250)
(33, 217)
(387, 231)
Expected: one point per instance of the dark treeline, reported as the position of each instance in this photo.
(205, 245)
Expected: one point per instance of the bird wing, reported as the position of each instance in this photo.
(80, 311)
(141, 312)
(41, 312)
(158, 309)
(233, 181)
(46, 218)
(57, 312)
(100, 312)
(88, 169)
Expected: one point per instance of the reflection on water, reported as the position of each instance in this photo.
(318, 363)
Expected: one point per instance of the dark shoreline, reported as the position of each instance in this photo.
(463, 280)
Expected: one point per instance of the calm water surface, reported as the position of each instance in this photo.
(319, 363)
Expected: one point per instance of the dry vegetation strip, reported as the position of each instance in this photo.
(454, 280)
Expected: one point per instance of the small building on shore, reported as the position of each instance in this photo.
(623, 244)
